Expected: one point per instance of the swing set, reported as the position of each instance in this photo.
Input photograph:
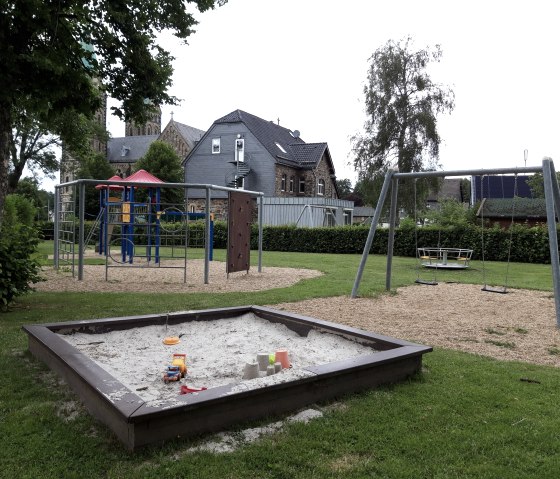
(552, 198)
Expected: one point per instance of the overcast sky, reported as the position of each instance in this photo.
(305, 62)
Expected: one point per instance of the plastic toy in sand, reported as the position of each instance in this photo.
(177, 370)
(180, 360)
(172, 373)
(188, 390)
(171, 340)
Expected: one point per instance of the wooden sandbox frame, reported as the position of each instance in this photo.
(136, 423)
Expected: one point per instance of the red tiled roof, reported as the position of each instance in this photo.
(142, 176)
(111, 187)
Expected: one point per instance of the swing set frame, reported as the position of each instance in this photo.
(552, 198)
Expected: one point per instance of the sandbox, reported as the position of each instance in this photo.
(140, 409)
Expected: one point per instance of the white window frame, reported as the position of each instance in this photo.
(216, 142)
(347, 215)
(283, 182)
(291, 184)
(301, 185)
(321, 187)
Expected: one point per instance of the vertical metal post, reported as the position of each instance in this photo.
(56, 225)
(260, 219)
(207, 238)
(371, 234)
(555, 187)
(186, 239)
(552, 233)
(391, 239)
(81, 205)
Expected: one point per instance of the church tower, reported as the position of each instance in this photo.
(69, 164)
(151, 127)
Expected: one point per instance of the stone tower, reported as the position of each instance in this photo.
(69, 164)
(151, 127)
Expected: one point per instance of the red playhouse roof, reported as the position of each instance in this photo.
(111, 187)
(142, 176)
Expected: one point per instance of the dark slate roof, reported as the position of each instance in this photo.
(189, 133)
(308, 153)
(500, 186)
(128, 149)
(269, 133)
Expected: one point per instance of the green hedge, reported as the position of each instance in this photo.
(530, 245)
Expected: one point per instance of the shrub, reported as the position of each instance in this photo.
(18, 241)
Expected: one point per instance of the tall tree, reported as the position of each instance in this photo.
(344, 188)
(43, 200)
(53, 50)
(161, 160)
(32, 146)
(402, 104)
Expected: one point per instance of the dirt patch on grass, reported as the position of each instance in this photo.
(170, 278)
(520, 325)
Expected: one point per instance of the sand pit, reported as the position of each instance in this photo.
(328, 360)
(216, 354)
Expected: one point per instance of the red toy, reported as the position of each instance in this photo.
(188, 390)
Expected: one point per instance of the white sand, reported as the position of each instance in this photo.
(216, 354)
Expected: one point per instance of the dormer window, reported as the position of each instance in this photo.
(280, 147)
(215, 146)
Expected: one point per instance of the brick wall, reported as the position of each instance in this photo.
(311, 178)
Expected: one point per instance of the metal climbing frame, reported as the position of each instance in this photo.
(552, 197)
(70, 238)
(65, 227)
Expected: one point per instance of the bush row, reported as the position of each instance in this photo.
(529, 245)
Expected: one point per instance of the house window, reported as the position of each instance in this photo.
(215, 146)
(329, 218)
(302, 185)
(347, 217)
(321, 187)
(283, 183)
(192, 208)
(291, 184)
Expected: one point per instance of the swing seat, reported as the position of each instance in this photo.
(429, 283)
(489, 289)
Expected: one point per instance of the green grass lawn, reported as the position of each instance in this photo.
(462, 416)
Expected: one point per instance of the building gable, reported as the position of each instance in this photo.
(180, 137)
(276, 159)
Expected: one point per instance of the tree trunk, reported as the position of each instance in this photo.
(15, 176)
(5, 131)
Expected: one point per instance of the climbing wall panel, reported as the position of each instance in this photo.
(239, 232)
